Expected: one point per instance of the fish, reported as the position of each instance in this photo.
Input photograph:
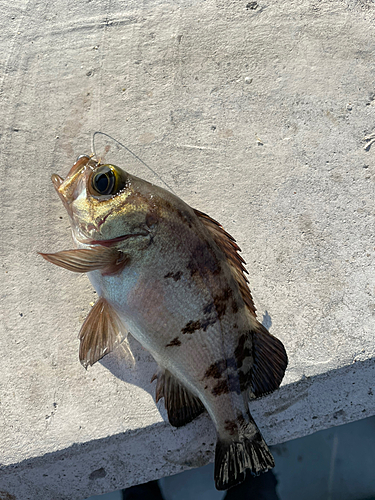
(173, 278)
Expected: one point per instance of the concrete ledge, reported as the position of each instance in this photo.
(261, 117)
(157, 450)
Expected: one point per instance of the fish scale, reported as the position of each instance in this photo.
(173, 277)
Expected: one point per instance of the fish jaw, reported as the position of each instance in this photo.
(70, 188)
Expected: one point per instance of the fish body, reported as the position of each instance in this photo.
(172, 277)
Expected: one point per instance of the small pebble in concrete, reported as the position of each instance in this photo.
(97, 474)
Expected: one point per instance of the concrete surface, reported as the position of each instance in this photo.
(113, 495)
(262, 117)
(334, 464)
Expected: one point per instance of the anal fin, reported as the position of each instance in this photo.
(181, 405)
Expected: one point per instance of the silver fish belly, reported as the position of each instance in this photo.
(173, 277)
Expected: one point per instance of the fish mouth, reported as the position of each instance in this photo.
(112, 241)
(69, 188)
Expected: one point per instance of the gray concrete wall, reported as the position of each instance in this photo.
(262, 117)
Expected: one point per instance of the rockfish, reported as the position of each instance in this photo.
(172, 277)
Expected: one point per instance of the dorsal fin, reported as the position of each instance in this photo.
(269, 362)
(261, 361)
(230, 248)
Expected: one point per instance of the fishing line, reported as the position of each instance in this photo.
(129, 151)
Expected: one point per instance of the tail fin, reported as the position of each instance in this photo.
(248, 451)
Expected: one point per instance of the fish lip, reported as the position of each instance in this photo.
(112, 241)
(67, 188)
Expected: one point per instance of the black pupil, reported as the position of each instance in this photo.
(104, 181)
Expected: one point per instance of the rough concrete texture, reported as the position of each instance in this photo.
(259, 114)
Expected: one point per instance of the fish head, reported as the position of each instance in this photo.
(106, 205)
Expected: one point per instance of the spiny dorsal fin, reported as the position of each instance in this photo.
(230, 248)
(261, 356)
(182, 406)
(101, 332)
(84, 260)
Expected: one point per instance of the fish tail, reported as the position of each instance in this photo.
(248, 451)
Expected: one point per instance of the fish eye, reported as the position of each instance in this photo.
(107, 180)
(103, 180)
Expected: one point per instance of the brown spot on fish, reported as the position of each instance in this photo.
(185, 217)
(220, 303)
(167, 205)
(205, 323)
(216, 369)
(220, 388)
(242, 351)
(234, 306)
(221, 300)
(240, 419)
(217, 270)
(220, 307)
(192, 267)
(200, 324)
(244, 380)
(231, 426)
(232, 363)
(208, 308)
(191, 327)
(234, 383)
(151, 219)
(175, 276)
(175, 342)
(203, 260)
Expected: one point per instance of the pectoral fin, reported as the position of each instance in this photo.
(101, 332)
(84, 260)
(182, 406)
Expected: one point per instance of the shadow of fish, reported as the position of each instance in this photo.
(173, 277)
